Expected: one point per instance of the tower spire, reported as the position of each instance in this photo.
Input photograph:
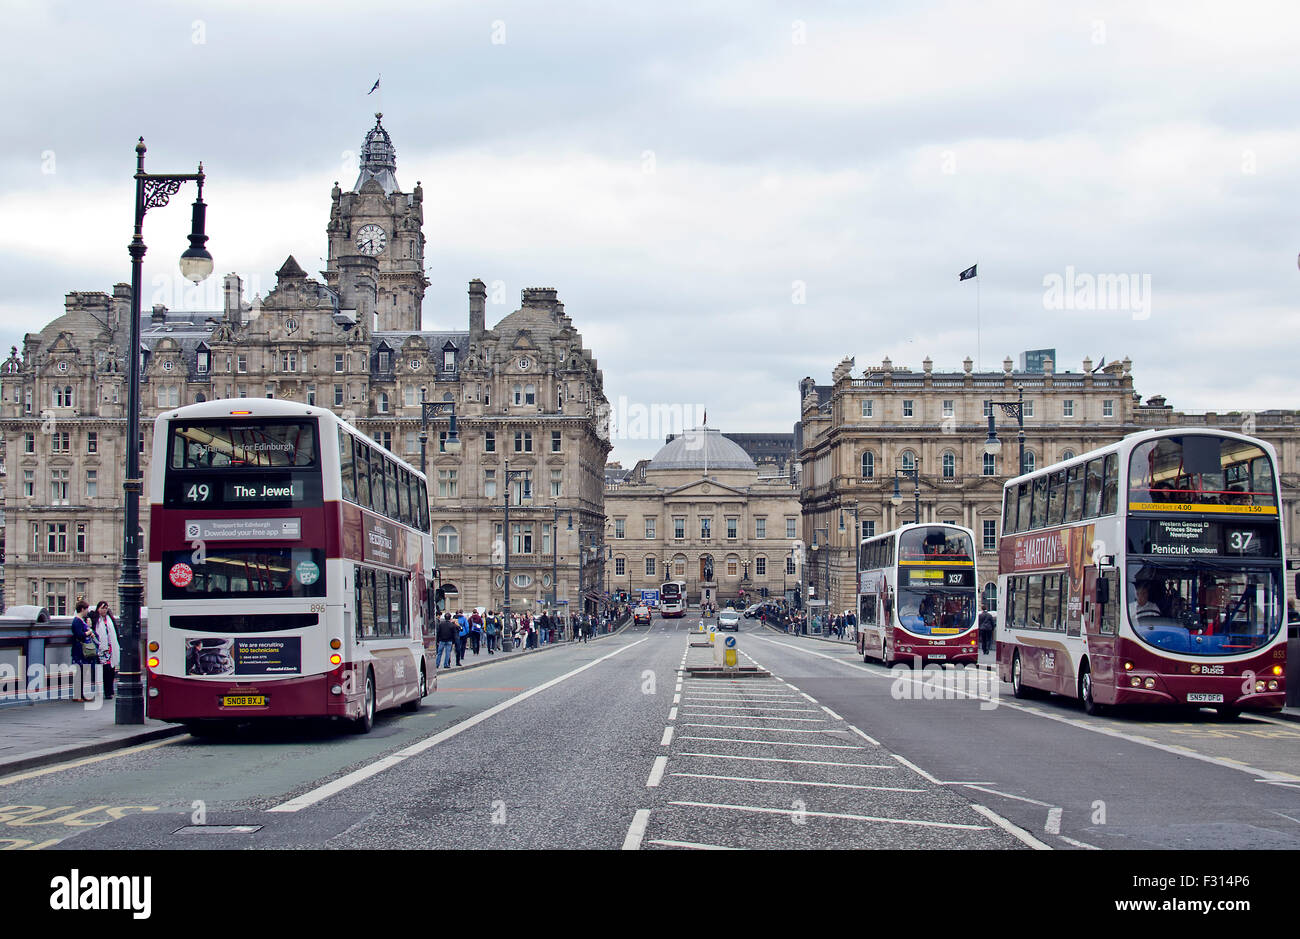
(378, 159)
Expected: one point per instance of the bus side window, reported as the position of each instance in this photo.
(346, 467)
(1022, 506)
(1092, 495)
(363, 475)
(424, 507)
(1038, 511)
(1111, 487)
(1008, 510)
(1056, 499)
(1074, 494)
(390, 489)
(403, 498)
(377, 484)
(1109, 616)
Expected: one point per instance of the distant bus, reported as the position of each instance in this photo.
(290, 565)
(916, 595)
(1147, 572)
(672, 598)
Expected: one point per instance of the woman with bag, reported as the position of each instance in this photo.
(110, 656)
(85, 652)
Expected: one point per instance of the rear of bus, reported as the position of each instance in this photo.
(672, 599)
(936, 595)
(240, 582)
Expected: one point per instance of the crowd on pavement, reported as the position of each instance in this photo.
(458, 634)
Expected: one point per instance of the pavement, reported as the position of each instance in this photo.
(55, 731)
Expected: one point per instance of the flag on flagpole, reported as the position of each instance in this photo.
(968, 273)
(373, 87)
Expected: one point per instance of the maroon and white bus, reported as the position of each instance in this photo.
(290, 565)
(1147, 572)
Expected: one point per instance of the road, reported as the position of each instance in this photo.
(609, 745)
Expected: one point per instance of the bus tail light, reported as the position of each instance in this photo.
(335, 644)
(336, 659)
(339, 678)
(153, 647)
(153, 662)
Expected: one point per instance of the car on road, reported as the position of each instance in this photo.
(752, 610)
(641, 615)
(729, 619)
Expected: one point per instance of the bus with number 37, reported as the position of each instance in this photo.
(1147, 572)
(290, 565)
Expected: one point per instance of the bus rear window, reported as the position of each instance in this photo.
(269, 443)
(1201, 470)
(223, 573)
(919, 544)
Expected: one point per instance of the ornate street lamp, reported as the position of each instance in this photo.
(152, 191)
(432, 409)
(1016, 409)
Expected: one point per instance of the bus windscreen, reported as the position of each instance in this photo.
(1194, 469)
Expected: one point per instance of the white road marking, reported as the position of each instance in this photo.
(809, 697)
(1005, 795)
(831, 713)
(668, 737)
(797, 782)
(1053, 825)
(636, 831)
(677, 699)
(865, 737)
(672, 715)
(1262, 775)
(777, 743)
(775, 759)
(766, 730)
(916, 769)
(1014, 830)
(693, 844)
(742, 707)
(756, 717)
(657, 772)
(320, 793)
(856, 818)
(1079, 844)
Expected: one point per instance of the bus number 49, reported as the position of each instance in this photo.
(199, 492)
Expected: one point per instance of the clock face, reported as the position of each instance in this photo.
(525, 364)
(371, 240)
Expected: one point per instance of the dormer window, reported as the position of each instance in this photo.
(201, 362)
(449, 357)
(384, 361)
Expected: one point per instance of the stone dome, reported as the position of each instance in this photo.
(690, 450)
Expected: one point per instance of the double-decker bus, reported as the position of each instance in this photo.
(290, 563)
(1147, 572)
(916, 595)
(672, 598)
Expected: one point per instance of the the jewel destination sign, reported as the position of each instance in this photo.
(265, 491)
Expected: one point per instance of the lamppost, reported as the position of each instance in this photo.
(555, 541)
(152, 191)
(525, 498)
(1016, 409)
(582, 563)
(857, 548)
(825, 563)
(433, 408)
(915, 475)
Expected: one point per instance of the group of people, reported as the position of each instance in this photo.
(458, 633)
(96, 650)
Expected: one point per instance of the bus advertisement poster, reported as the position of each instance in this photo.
(223, 655)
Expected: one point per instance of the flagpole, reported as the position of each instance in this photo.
(979, 358)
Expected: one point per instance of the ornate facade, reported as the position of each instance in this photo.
(526, 391)
(700, 512)
(856, 432)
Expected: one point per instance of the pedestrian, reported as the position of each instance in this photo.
(986, 625)
(85, 652)
(475, 630)
(101, 619)
(462, 635)
(446, 635)
(490, 630)
(543, 628)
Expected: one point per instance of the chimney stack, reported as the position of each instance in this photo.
(477, 309)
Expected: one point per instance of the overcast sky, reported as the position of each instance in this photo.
(728, 196)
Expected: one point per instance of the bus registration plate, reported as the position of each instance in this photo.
(1204, 698)
(243, 700)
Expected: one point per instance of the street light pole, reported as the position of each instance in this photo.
(452, 443)
(525, 496)
(1016, 409)
(152, 191)
(915, 475)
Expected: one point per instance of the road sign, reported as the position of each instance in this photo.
(731, 642)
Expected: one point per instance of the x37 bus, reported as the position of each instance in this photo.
(672, 598)
(916, 595)
(289, 568)
(1147, 572)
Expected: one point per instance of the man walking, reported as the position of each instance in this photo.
(490, 630)
(446, 636)
(986, 624)
(462, 635)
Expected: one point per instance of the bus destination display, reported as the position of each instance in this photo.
(1189, 538)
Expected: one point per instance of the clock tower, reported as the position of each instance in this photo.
(375, 219)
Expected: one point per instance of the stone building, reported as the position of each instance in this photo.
(700, 512)
(525, 390)
(856, 432)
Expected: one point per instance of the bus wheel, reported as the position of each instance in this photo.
(424, 689)
(1090, 705)
(366, 721)
(884, 653)
(1018, 679)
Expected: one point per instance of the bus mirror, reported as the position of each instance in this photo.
(1103, 591)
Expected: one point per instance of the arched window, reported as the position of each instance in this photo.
(1067, 455)
(949, 465)
(868, 465)
(1030, 461)
(990, 465)
(908, 460)
(448, 540)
